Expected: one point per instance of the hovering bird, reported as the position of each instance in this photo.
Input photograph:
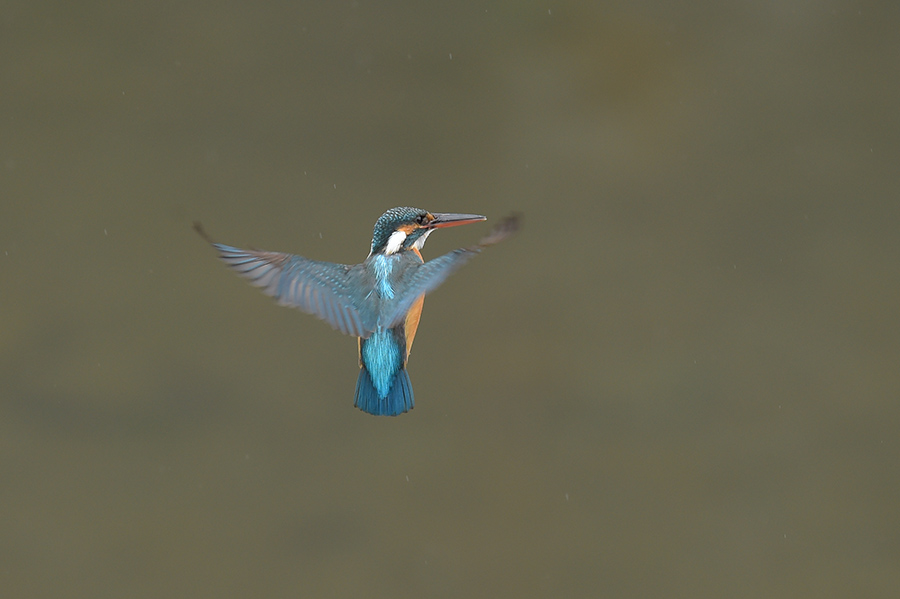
(378, 301)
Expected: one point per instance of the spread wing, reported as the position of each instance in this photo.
(429, 276)
(322, 289)
(425, 279)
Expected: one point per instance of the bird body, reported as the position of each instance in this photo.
(379, 301)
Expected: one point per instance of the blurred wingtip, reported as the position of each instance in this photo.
(198, 227)
(503, 229)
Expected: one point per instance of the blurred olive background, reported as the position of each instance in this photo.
(679, 380)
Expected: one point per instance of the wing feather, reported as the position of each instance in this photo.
(427, 277)
(322, 289)
(423, 280)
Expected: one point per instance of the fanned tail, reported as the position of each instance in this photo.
(398, 400)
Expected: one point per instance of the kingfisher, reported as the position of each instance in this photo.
(378, 301)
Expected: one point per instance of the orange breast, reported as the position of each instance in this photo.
(414, 314)
(412, 322)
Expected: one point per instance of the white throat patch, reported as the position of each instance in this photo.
(420, 242)
(394, 242)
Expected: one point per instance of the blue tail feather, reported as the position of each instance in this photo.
(399, 398)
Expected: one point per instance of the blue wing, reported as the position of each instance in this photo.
(427, 277)
(322, 289)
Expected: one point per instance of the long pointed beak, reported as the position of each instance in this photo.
(449, 219)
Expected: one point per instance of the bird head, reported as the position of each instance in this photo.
(404, 228)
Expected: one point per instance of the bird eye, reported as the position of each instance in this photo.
(422, 219)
